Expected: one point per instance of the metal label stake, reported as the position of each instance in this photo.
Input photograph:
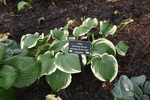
(80, 48)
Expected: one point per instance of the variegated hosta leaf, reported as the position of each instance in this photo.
(43, 41)
(90, 23)
(47, 60)
(29, 69)
(68, 63)
(106, 28)
(123, 88)
(11, 44)
(121, 48)
(105, 68)
(57, 45)
(86, 26)
(42, 49)
(7, 94)
(29, 40)
(59, 34)
(2, 51)
(102, 46)
(52, 97)
(59, 80)
(8, 75)
(68, 24)
(81, 30)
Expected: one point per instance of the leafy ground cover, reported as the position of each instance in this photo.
(47, 15)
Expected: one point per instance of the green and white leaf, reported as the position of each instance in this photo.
(42, 40)
(68, 63)
(47, 60)
(81, 30)
(59, 80)
(105, 68)
(123, 87)
(29, 40)
(2, 51)
(59, 34)
(57, 45)
(106, 28)
(7, 94)
(147, 87)
(139, 80)
(101, 46)
(42, 49)
(52, 97)
(68, 24)
(29, 69)
(22, 4)
(90, 23)
(121, 48)
(8, 76)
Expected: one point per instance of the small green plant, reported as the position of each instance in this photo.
(21, 5)
(129, 89)
(17, 69)
(58, 64)
(125, 23)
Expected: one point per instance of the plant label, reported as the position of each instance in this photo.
(79, 47)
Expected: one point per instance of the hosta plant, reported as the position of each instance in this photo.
(58, 65)
(17, 69)
(129, 89)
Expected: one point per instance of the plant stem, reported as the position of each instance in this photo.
(93, 37)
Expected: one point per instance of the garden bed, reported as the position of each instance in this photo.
(47, 15)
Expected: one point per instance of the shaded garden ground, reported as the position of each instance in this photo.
(56, 14)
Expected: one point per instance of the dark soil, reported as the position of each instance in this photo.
(136, 35)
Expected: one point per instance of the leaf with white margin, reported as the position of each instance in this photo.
(2, 51)
(68, 63)
(29, 69)
(8, 76)
(57, 45)
(147, 87)
(59, 34)
(59, 80)
(101, 46)
(42, 40)
(68, 24)
(90, 23)
(29, 40)
(105, 68)
(121, 48)
(81, 30)
(122, 88)
(47, 60)
(52, 97)
(139, 80)
(106, 28)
